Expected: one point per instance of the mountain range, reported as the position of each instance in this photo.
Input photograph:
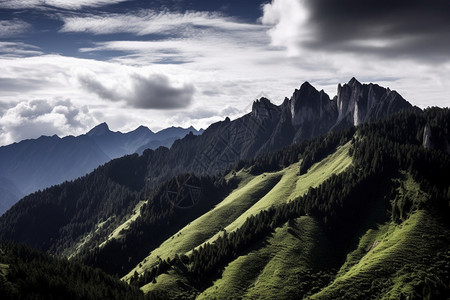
(318, 197)
(35, 164)
(268, 127)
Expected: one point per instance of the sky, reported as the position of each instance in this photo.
(68, 65)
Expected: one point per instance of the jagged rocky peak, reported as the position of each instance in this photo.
(358, 103)
(99, 129)
(263, 108)
(309, 104)
(261, 102)
(354, 82)
(348, 98)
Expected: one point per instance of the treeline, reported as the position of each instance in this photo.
(379, 152)
(310, 151)
(318, 149)
(29, 274)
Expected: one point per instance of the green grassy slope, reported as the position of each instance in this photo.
(254, 194)
(248, 192)
(118, 231)
(275, 269)
(390, 259)
(292, 186)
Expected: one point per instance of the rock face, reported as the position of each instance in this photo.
(432, 140)
(306, 114)
(427, 137)
(312, 112)
(358, 103)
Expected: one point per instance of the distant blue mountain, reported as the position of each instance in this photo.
(35, 164)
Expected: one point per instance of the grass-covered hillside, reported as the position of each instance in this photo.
(255, 194)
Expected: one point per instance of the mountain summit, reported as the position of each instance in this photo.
(313, 113)
(305, 115)
(309, 112)
(100, 129)
(358, 103)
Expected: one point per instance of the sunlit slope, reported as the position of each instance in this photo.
(248, 192)
(272, 271)
(257, 194)
(292, 186)
(117, 233)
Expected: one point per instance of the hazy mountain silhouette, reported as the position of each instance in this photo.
(35, 164)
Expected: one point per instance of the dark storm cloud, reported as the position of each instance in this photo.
(93, 85)
(154, 92)
(395, 27)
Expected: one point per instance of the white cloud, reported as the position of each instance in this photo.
(33, 118)
(288, 19)
(18, 49)
(151, 22)
(15, 27)
(66, 4)
(227, 75)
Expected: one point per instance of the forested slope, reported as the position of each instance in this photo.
(29, 274)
